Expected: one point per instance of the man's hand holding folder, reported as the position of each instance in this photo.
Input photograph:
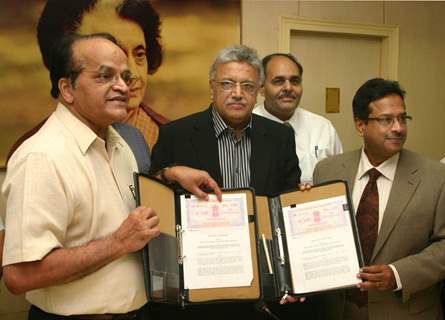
(192, 180)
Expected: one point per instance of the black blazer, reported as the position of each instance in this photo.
(191, 142)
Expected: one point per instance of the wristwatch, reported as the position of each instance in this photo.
(163, 177)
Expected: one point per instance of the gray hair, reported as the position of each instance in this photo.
(238, 53)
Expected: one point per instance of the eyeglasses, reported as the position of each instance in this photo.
(229, 86)
(389, 121)
(111, 76)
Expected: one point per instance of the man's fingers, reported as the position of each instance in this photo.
(214, 186)
(199, 193)
(153, 232)
(144, 212)
(304, 186)
(367, 285)
(375, 273)
(290, 299)
(378, 277)
(153, 221)
(373, 269)
(370, 276)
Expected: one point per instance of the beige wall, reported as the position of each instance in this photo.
(421, 52)
(12, 307)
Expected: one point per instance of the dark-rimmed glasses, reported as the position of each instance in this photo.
(389, 121)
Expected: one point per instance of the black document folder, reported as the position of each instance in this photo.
(163, 257)
(279, 276)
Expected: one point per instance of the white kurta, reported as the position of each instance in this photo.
(315, 138)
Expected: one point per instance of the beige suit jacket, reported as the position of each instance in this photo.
(411, 237)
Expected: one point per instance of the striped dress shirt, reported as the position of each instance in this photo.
(234, 155)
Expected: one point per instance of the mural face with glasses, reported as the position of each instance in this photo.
(385, 130)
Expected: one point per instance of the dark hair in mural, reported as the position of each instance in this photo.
(62, 64)
(61, 17)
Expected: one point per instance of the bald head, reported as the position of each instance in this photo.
(61, 64)
(89, 52)
(95, 85)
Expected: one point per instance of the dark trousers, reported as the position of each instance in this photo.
(243, 310)
(142, 314)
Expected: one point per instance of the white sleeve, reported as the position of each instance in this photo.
(336, 146)
(396, 275)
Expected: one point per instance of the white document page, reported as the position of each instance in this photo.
(321, 245)
(216, 242)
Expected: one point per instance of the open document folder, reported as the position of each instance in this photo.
(207, 250)
(215, 242)
(310, 241)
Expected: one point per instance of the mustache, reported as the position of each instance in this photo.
(396, 135)
(119, 97)
(287, 94)
(237, 101)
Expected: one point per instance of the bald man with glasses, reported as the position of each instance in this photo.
(73, 232)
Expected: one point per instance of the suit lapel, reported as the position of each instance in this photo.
(403, 187)
(205, 146)
(260, 154)
(349, 167)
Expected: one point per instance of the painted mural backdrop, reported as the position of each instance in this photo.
(191, 34)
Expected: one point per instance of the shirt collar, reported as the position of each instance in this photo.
(220, 126)
(387, 168)
(114, 139)
(294, 120)
(81, 133)
(270, 115)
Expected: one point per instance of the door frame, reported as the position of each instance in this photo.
(388, 35)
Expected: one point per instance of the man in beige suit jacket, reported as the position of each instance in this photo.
(407, 263)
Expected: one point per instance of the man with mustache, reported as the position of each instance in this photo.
(399, 200)
(315, 137)
(237, 148)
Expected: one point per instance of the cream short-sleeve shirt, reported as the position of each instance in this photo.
(66, 187)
